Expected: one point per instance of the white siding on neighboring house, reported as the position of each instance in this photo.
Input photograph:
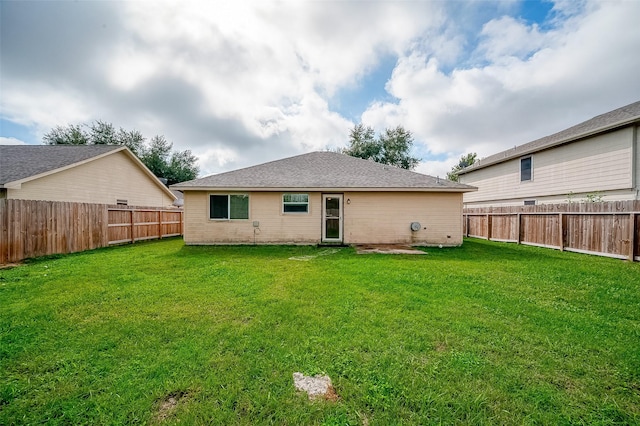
(636, 137)
(602, 164)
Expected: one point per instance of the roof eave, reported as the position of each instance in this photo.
(17, 184)
(149, 173)
(603, 129)
(321, 189)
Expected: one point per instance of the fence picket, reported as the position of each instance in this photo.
(37, 228)
(606, 229)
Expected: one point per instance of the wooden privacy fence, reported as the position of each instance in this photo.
(40, 228)
(606, 229)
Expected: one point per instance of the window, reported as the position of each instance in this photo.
(229, 206)
(529, 202)
(295, 203)
(525, 169)
(122, 202)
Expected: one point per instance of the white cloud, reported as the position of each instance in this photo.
(11, 141)
(242, 82)
(505, 38)
(530, 82)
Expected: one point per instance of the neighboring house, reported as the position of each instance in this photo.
(104, 174)
(322, 197)
(595, 160)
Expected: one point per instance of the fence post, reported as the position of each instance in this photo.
(489, 225)
(632, 237)
(133, 237)
(518, 228)
(160, 224)
(561, 225)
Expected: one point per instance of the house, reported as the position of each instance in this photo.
(597, 160)
(322, 197)
(104, 174)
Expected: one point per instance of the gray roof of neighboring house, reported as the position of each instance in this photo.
(323, 171)
(611, 120)
(19, 162)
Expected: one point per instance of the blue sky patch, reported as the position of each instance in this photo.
(9, 129)
(352, 101)
(536, 12)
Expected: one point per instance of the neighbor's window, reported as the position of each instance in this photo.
(229, 206)
(529, 202)
(525, 169)
(295, 203)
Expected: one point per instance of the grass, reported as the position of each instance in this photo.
(159, 332)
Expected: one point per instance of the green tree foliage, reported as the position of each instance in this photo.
(157, 155)
(70, 135)
(182, 166)
(392, 147)
(465, 161)
(396, 145)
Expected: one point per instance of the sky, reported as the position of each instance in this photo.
(240, 83)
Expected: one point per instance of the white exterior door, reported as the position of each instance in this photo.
(332, 218)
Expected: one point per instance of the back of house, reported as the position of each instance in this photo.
(323, 198)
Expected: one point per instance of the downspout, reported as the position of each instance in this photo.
(635, 160)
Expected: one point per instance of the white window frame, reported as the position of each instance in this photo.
(295, 203)
(229, 207)
(530, 158)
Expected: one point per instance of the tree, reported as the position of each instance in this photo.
(132, 139)
(396, 144)
(182, 167)
(392, 147)
(70, 135)
(465, 161)
(157, 155)
(363, 144)
(102, 133)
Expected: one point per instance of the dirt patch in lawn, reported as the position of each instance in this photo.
(168, 405)
(387, 249)
(313, 256)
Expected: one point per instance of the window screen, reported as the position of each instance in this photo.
(229, 206)
(295, 203)
(525, 169)
(239, 206)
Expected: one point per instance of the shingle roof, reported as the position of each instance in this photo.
(323, 171)
(19, 162)
(611, 120)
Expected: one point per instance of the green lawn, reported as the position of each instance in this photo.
(488, 333)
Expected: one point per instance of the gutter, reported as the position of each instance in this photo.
(479, 165)
(468, 188)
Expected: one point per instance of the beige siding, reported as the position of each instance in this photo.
(264, 208)
(385, 217)
(104, 181)
(368, 218)
(600, 164)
